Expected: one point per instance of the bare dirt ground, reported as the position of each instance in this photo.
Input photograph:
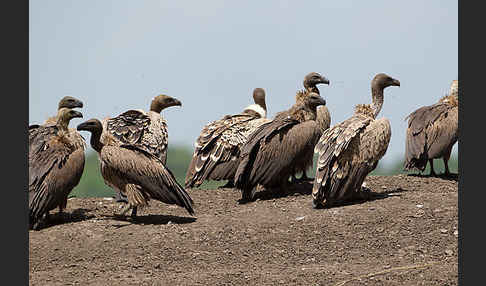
(407, 235)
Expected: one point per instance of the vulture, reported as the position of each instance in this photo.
(65, 102)
(350, 150)
(56, 165)
(268, 156)
(138, 173)
(146, 130)
(323, 122)
(218, 146)
(432, 131)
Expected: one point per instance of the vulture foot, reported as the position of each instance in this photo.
(247, 196)
(120, 198)
(229, 184)
(317, 205)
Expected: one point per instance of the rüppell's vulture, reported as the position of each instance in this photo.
(139, 174)
(350, 150)
(218, 146)
(56, 165)
(323, 119)
(431, 133)
(268, 157)
(146, 130)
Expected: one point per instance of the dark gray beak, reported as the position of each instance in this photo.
(325, 80)
(396, 82)
(321, 101)
(81, 126)
(78, 103)
(76, 114)
(177, 102)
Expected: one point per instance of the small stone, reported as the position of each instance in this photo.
(456, 233)
(108, 199)
(419, 206)
(300, 218)
(384, 187)
(379, 229)
(449, 252)
(443, 230)
(169, 222)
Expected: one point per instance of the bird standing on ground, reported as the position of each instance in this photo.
(136, 172)
(431, 133)
(323, 119)
(269, 155)
(56, 165)
(218, 146)
(146, 130)
(350, 150)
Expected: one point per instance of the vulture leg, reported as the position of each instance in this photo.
(126, 209)
(446, 157)
(432, 172)
(134, 212)
(229, 184)
(305, 178)
(120, 197)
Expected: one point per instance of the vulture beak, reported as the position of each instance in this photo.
(321, 101)
(78, 104)
(177, 102)
(396, 82)
(325, 80)
(77, 114)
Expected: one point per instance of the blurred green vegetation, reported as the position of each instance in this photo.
(179, 157)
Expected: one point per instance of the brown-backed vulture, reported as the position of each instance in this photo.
(271, 151)
(65, 102)
(350, 150)
(323, 119)
(138, 173)
(431, 133)
(146, 130)
(56, 165)
(218, 146)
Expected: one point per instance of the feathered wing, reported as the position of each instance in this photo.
(55, 168)
(218, 147)
(148, 131)
(443, 133)
(336, 156)
(129, 164)
(268, 155)
(420, 135)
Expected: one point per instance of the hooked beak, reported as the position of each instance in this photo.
(177, 102)
(77, 114)
(325, 80)
(78, 104)
(396, 82)
(321, 101)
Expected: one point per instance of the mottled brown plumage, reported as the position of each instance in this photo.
(56, 165)
(431, 133)
(271, 151)
(65, 102)
(218, 146)
(146, 130)
(350, 150)
(323, 119)
(139, 174)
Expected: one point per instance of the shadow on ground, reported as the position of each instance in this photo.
(76, 215)
(154, 219)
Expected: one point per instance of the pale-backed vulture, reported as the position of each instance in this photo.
(146, 130)
(218, 146)
(431, 133)
(138, 173)
(323, 119)
(267, 157)
(350, 150)
(56, 165)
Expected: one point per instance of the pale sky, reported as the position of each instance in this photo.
(117, 55)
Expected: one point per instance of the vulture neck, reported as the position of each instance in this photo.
(156, 107)
(95, 140)
(377, 99)
(62, 124)
(311, 89)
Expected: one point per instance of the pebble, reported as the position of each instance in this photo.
(456, 233)
(419, 206)
(449, 252)
(443, 230)
(300, 218)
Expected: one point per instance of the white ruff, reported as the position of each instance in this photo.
(258, 109)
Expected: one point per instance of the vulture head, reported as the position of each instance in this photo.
(312, 79)
(259, 97)
(64, 115)
(163, 101)
(91, 125)
(381, 81)
(69, 102)
(313, 100)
